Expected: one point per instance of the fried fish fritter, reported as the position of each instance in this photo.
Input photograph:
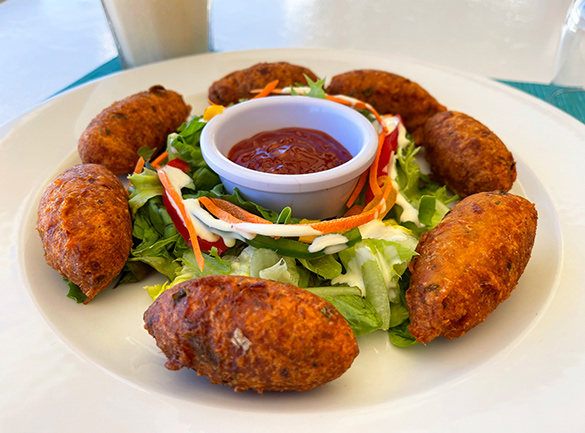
(85, 226)
(469, 264)
(114, 136)
(238, 84)
(389, 94)
(466, 156)
(251, 333)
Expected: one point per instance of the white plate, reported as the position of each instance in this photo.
(524, 369)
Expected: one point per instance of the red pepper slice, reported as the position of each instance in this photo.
(182, 229)
(180, 164)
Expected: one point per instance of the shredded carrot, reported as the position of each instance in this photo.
(267, 90)
(358, 188)
(359, 105)
(274, 91)
(354, 210)
(374, 167)
(176, 198)
(236, 211)
(346, 223)
(139, 165)
(231, 214)
(384, 182)
(338, 100)
(156, 163)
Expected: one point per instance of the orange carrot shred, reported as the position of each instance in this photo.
(275, 91)
(218, 212)
(236, 211)
(358, 188)
(354, 210)
(176, 198)
(267, 90)
(338, 100)
(139, 165)
(159, 159)
(374, 167)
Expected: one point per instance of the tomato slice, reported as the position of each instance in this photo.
(182, 229)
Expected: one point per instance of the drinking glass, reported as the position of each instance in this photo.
(569, 76)
(147, 31)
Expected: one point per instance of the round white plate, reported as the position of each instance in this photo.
(523, 369)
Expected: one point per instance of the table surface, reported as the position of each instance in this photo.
(45, 45)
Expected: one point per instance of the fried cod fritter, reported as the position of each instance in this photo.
(85, 226)
(389, 94)
(469, 264)
(238, 84)
(251, 333)
(114, 136)
(466, 156)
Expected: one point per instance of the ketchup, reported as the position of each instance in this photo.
(289, 151)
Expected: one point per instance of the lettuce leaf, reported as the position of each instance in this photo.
(423, 194)
(359, 313)
(214, 265)
(375, 266)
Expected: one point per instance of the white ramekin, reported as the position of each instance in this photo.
(314, 195)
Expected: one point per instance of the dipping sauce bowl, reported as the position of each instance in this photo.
(315, 195)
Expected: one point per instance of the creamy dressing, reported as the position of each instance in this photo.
(209, 228)
(409, 212)
(177, 178)
(277, 230)
(304, 90)
(353, 276)
(377, 229)
(328, 242)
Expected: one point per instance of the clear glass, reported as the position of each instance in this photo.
(152, 30)
(569, 76)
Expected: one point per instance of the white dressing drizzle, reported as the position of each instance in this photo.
(328, 242)
(409, 212)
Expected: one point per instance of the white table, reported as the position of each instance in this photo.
(45, 45)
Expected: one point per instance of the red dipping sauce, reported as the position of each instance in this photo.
(289, 151)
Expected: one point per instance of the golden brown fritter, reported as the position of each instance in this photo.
(238, 84)
(114, 136)
(251, 333)
(466, 156)
(469, 264)
(389, 94)
(85, 226)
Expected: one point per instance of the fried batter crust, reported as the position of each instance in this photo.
(389, 94)
(466, 155)
(238, 84)
(85, 226)
(469, 264)
(251, 333)
(114, 136)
